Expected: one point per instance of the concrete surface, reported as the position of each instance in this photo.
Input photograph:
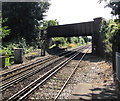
(92, 91)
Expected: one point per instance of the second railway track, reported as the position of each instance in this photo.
(30, 70)
(32, 86)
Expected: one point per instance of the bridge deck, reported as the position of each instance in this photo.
(70, 30)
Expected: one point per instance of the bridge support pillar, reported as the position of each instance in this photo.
(98, 38)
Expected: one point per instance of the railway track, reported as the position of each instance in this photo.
(27, 65)
(27, 71)
(4, 74)
(20, 95)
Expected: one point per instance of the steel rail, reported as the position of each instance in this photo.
(6, 85)
(43, 78)
(16, 80)
(34, 63)
(21, 67)
(62, 88)
(31, 90)
(26, 69)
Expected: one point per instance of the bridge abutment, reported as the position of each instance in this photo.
(97, 38)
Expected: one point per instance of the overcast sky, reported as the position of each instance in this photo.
(75, 11)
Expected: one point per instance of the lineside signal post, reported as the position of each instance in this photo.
(43, 38)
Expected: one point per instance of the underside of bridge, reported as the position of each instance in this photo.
(70, 30)
(91, 28)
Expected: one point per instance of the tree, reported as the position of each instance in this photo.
(114, 5)
(23, 17)
(5, 31)
(115, 37)
(109, 28)
(69, 40)
(45, 24)
(48, 23)
(85, 38)
(115, 8)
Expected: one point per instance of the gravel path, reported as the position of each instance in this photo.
(93, 70)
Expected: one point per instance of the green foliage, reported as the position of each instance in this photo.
(8, 49)
(4, 31)
(19, 28)
(60, 40)
(44, 25)
(114, 5)
(82, 41)
(27, 48)
(115, 8)
(23, 17)
(85, 39)
(63, 42)
(48, 23)
(52, 46)
(110, 29)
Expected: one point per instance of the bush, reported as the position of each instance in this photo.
(71, 45)
(110, 29)
(4, 30)
(8, 48)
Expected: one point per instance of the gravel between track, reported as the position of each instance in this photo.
(16, 87)
(91, 70)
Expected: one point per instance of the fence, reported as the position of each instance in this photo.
(118, 65)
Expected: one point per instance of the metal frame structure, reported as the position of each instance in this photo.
(91, 28)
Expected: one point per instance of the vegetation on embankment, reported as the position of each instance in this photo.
(110, 30)
(69, 42)
(7, 48)
(20, 22)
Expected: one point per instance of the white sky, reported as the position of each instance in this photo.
(75, 11)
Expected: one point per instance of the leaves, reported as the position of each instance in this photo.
(110, 30)
(4, 31)
(23, 17)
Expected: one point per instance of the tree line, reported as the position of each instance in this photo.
(23, 18)
(20, 22)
